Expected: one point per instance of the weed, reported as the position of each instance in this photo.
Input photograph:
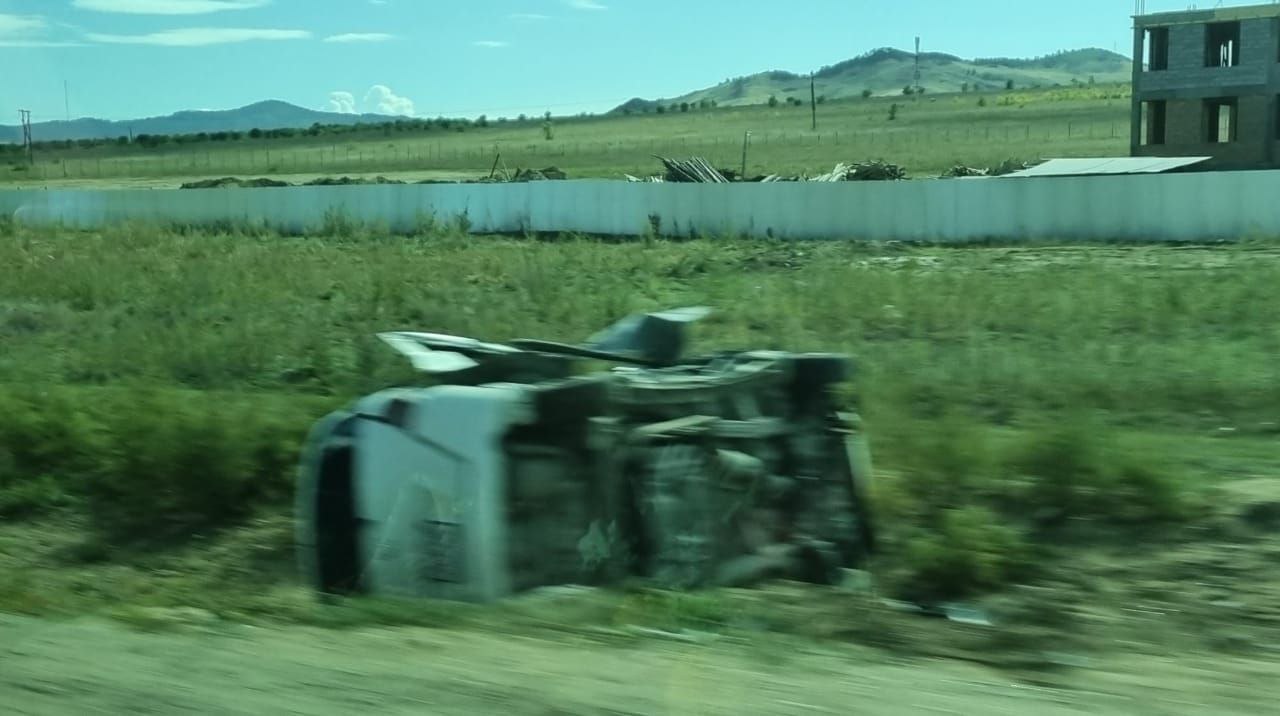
(337, 224)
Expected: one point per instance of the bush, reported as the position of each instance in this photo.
(1071, 471)
(965, 515)
(45, 441)
(971, 550)
(147, 464)
(175, 464)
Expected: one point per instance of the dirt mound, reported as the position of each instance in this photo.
(234, 183)
(345, 181)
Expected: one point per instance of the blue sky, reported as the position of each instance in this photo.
(135, 58)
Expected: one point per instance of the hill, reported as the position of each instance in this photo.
(271, 114)
(887, 71)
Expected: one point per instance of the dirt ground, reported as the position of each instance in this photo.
(83, 667)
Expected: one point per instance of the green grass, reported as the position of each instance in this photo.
(930, 134)
(1021, 401)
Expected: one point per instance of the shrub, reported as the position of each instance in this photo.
(45, 440)
(147, 464)
(965, 515)
(970, 550)
(337, 224)
(1072, 471)
(175, 464)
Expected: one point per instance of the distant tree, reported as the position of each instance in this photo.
(522, 118)
(704, 103)
(908, 90)
(1008, 84)
(673, 108)
(919, 90)
(547, 132)
(982, 101)
(964, 87)
(822, 99)
(773, 101)
(1092, 80)
(893, 111)
(122, 141)
(714, 104)
(684, 106)
(255, 133)
(866, 94)
(482, 121)
(661, 109)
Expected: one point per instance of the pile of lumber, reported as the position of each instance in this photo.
(695, 170)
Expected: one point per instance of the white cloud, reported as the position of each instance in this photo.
(28, 31)
(167, 7)
(200, 36)
(527, 17)
(585, 5)
(20, 24)
(360, 37)
(343, 102)
(490, 43)
(38, 43)
(382, 100)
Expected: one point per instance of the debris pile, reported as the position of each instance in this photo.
(345, 181)
(694, 170)
(548, 174)
(1009, 166)
(233, 183)
(697, 170)
(866, 171)
(961, 170)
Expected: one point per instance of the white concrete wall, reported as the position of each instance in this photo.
(1193, 206)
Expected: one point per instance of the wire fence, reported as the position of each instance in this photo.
(777, 150)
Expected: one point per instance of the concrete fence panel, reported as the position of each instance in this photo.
(1176, 207)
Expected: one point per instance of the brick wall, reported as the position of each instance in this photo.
(1185, 134)
(1259, 50)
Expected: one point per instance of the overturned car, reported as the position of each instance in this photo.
(535, 463)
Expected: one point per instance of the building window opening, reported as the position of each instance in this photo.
(1157, 47)
(1153, 122)
(1277, 115)
(1222, 44)
(1221, 119)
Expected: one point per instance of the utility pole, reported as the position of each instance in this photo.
(745, 137)
(25, 114)
(813, 101)
(66, 98)
(917, 74)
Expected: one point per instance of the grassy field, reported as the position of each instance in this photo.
(1035, 412)
(928, 135)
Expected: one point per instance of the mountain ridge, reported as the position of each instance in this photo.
(263, 115)
(887, 71)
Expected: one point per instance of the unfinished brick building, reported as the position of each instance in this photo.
(1207, 83)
